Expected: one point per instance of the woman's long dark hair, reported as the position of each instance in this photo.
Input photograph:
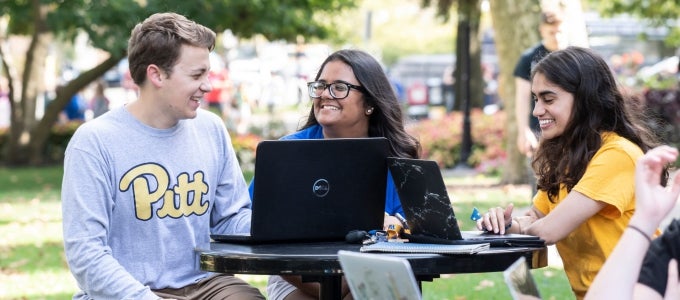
(386, 119)
(599, 106)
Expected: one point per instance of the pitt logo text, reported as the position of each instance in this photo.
(141, 177)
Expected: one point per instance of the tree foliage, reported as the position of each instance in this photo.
(107, 24)
(662, 13)
(443, 7)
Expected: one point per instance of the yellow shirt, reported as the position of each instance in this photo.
(609, 178)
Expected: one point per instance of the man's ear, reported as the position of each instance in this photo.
(155, 75)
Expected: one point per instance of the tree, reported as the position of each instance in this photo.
(515, 25)
(468, 14)
(468, 75)
(108, 24)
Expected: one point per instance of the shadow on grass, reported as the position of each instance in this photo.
(27, 179)
(32, 258)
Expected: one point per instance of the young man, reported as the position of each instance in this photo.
(146, 184)
(550, 30)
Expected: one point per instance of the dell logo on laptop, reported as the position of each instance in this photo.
(321, 188)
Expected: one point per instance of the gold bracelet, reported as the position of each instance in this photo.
(641, 232)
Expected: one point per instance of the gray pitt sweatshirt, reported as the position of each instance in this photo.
(137, 201)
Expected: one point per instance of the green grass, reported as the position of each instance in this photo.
(32, 264)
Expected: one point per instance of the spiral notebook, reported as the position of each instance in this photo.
(424, 248)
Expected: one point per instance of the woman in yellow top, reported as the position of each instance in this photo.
(591, 138)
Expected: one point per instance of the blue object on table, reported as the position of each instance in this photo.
(475, 215)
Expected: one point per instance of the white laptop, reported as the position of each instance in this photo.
(520, 282)
(378, 277)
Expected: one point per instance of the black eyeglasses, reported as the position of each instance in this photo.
(338, 90)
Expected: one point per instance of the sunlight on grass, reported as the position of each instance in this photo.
(58, 284)
(33, 222)
(32, 263)
(552, 284)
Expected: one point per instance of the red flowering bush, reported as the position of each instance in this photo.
(441, 139)
(245, 142)
(245, 146)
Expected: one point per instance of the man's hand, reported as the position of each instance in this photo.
(526, 141)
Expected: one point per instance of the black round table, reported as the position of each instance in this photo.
(319, 261)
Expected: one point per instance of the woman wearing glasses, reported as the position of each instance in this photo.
(352, 98)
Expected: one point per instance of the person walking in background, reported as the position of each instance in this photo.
(550, 30)
(219, 100)
(274, 91)
(352, 98)
(591, 137)
(75, 109)
(99, 102)
(146, 184)
(243, 104)
(659, 276)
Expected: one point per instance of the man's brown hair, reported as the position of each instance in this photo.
(550, 18)
(158, 40)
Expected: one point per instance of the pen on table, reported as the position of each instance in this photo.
(402, 220)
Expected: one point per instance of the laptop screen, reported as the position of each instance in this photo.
(424, 198)
(429, 212)
(520, 282)
(372, 276)
(318, 189)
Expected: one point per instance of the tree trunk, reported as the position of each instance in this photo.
(515, 25)
(41, 132)
(28, 136)
(469, 14)
(31, 82)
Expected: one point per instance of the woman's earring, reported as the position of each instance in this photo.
(369, 111)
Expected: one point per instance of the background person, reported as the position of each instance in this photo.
(147, 183)
(591, 138)
(659, 277)
(352, 98)
(75, 109)
(99, 102)
(550, 30)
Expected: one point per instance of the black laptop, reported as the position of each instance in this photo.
(428, 209)
(316, 190)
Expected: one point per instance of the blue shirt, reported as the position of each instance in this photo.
(392, 202)
(75, 109)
